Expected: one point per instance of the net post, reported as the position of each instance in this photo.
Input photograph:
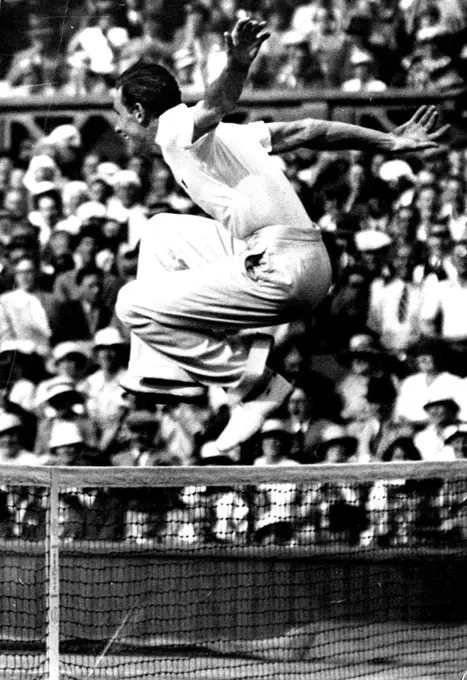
(53, 581)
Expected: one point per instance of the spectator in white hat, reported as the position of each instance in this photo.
(363, 66)
(74, 194)
(63, 144)
(428, 362)
(47, 212)
(104, 396)
(69, 360)
(443, 411)
(11, 451)
(126, 204)
(41, 168)
(19, 370)
(62, 402)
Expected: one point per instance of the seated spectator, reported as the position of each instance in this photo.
(373, 248)
(332, 513)
(301, 68)
(147, 447)
(443, 411)
(15, 205)
(81, 318)
(47, 213)
(152, 44)
(100, 44)
(378, 430)
(436, 255)
(348, 313)
(453, 496)
(330, 44)
(26, 311)
(19, 371)
(11, 451)
(67, 447)
(125, 204)
(336, 445)
(57, 256)
(454, 201)
(275, 503)
(363, 77)
(430, 375)
(84, 255)
(113, 241)
(62, 403)
(440, 313)
(17, 499)
(69, 360)
(395, 305)
(36, 69)
(426, 200)
(89, 167)
(392, 504)
(306, 423)
(104, 396)
(64, 146)
(275, 444)
(363, 359)
(74, 194)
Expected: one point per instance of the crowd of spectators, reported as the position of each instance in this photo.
(380, 371)
(350, 44)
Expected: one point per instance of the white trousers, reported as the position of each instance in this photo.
(197, 287)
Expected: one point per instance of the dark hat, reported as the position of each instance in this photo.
(441, 399)
(336, 434)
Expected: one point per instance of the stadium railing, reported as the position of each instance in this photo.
(36, 115)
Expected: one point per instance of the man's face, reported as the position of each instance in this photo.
(90, 289)
(139, 138)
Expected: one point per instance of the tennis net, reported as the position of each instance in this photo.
(335, 571)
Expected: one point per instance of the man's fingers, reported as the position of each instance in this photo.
(440, 132)
(426, 117)
(418, 115)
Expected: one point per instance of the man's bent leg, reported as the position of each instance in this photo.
(173, 243)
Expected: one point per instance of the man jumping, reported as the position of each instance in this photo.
(259, 261)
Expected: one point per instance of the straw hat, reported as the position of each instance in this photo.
(370, 240)
(276, 427)
(67, 349)
(8, 422)
(108, 337)
(57, 387)
(65, 434)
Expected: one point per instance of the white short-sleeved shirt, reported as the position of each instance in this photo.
(229, 174)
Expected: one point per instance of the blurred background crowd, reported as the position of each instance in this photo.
(380, 371)
(349, 44)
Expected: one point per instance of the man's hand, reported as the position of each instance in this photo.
(243, 43)
(420, 133)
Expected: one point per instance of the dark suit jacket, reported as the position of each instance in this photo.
(68, 321)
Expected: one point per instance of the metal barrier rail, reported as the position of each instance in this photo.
(37, 115)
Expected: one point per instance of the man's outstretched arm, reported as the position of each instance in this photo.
(419, 133)
(221, 97)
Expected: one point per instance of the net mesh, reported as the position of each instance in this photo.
(324, 571)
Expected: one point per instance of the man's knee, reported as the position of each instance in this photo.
(125, 306)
